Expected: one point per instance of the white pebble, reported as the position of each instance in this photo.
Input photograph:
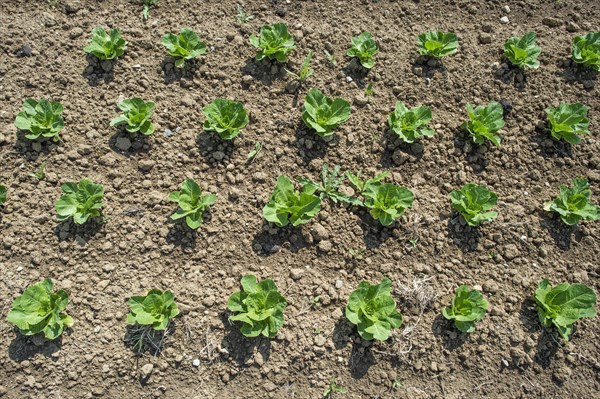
(348, 79)
(339, 284)
(196, 362)
(504, 20)
(506, 9)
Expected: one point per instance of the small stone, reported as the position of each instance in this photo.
(339, 284)
(196, 362)
(572, 27)
(485, 38)
(123, 143)
(399, 157)
(296, 274)
(511, 251)
(218, 155)
(504, 20)
(319, 232)
(168, 132)
(552, 22)
(247, 81)
(588, 84)
(292, 86)
(107, 159)
(36, 146)
(146, 165)
(506, 9)
(361, 100)
(348, 79)
(325, 246)
(147, 370)
(75, 33)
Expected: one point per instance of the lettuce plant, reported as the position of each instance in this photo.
(324, 114)
(41, 118)
(259, 306)
(39, 310)
(2, 194)
(437, 44)
(586, 50)
(81, 201)
(287, 205)
(468, 306)
(364, 48)
(484, 122)
(563, 305)
(523, 51)
(387, 202)
(226, 117)
(361, 185)
(409, 124)
(567, 121)
(274, 42)
(373, 310)
(192, 203)
(473, 202)
(329, 186)
(185, 47)
(573, 204)
(155, 309)
(106, 46)
(136, 116)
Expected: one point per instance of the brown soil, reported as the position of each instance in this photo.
(138, 247)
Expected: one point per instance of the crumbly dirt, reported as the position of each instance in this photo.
(138, 247)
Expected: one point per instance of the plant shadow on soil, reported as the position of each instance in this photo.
(240, 348)
(361, 357)
(427, 67)
(172, 74)
(374, 234)
(561, 233)
(97, 72)
(475, 155)
(548, 341)
(213, 148)
(317, 147)
(576, 73)
(397, 152)
(452, 338)
(69, 231)
(31, 150)
(143, 338)
(510, 74)
(466, 238)
(548, 147)
(262, 71)
(129, 144)
(23, 347)
(357, 72)
(266, 244)
(180, 234)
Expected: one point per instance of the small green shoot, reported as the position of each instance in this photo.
(333, 388)
(330, 57)
(369, 90)
(146, 10)
(305, 72)
(40, 174)
(254, 153)
(331, 181)
(241, 16)
(2, 194)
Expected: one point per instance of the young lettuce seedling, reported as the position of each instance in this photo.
(136, 116)
(106, 46)
(361, 185)
(373, 310)
(329, 186)
(567, 121)
(259, 306)
(2, 194)
(155, 309)
(41, 118)
(387, 202)
(185, 47)
(324, 114)
(146, 10)
(225, 117)
(563, 305)
(241, 15)
(364, 48)
(81, 201)
(38, 310)
(484, 122)
(473, 202)
(409, 125)
(332, 388)
(573, 204)
(468, 306)
(274, 42)
(523, 51)
(287, 205)
(192, 203)
(305, 72)
(586, 50)
(437, 44)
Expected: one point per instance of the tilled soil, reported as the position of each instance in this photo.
(101, 265)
